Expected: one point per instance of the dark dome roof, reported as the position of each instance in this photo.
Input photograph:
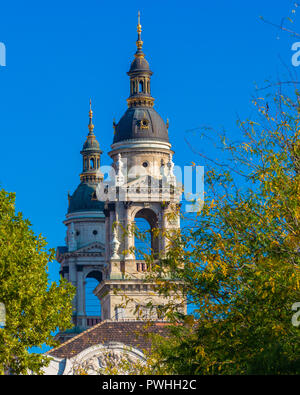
(91, 144)
(139, 64)
(129, 126)
(84, 199)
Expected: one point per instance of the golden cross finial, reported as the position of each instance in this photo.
(139, 42)
(91, 126)
(91, 112)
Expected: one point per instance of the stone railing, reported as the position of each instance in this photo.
(92, 320)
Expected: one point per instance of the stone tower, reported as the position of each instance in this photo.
(144, 186)
(84, 254)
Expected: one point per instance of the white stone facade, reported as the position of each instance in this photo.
(94, 360)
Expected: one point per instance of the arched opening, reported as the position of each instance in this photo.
(146, 221)
(142, 245)
(92, 163)
(92, 303)
(141, 86)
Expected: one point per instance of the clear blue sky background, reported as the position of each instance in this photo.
(206, 57)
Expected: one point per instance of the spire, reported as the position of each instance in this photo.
(91, 126)
(91, 153)
(139, 43)
(91, 141)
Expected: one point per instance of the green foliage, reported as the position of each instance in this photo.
(238, 261)
(34, 308)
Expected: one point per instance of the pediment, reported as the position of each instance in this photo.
(95, 247)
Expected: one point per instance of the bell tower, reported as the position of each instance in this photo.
(83, 257)
(146, 188)
(140, 76)
(91, 154)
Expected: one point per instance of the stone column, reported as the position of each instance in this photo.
(127, 224)
(80, 297)
(165, 226)
(111, 233)
(73, 281)
(107, 238)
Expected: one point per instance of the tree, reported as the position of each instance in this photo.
(238, 261)
(34, 308)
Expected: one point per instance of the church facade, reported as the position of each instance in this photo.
(100, 236)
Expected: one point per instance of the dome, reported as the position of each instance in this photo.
(139, 64)
(91, 144)
(85, 199)
(141, 123)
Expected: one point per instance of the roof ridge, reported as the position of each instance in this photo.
(100, 324)
(77, 336)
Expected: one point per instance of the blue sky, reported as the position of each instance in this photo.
(206, 58)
